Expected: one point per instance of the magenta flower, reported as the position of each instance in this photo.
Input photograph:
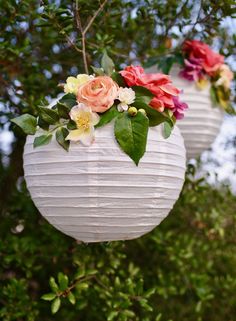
(179, 108)
(193, 70)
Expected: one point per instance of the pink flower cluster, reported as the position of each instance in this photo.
(200, 60)
(160, 85)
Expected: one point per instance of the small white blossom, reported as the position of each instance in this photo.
(126, 96)
(122, 107)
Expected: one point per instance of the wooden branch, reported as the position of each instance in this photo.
(84, 30)
(94, 17)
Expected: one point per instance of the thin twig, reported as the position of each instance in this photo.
(94, 17)
(84, 30)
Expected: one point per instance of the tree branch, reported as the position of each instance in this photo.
(84, 30)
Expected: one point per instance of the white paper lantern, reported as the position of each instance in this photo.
(202, 120)
(97, 193)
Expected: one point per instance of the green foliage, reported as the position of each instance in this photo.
(183, 270)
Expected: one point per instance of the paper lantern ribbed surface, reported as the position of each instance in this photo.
(202, 120)
(97, 193)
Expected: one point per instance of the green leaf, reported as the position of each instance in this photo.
(167, 129)
(55, 305)
(107, 64)
(213, 95)
(71, 125)
(106, 117)
(128, 313)
(98, 71)
(150, 292)
(50, 116)
(71, 298)
(112, 315)
(61, 135)
(142, 99)
(63, 281)
(48, 296)
(131, 134)
(63, 111)
(155, 118)
(53, 284)
(27, 123)
(166, 63)
(118, 79)
(42, 140)
(42, 124)
(142, 95)
(68, 100)
(145, 305)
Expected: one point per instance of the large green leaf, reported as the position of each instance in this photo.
(69, 100)
(50, 116)
(42, 140)
(106, 117)
(107, 64)
(61, 135)
(131, 134)
(27, 123)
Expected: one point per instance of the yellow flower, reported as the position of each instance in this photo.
(85, 121)
(72, 83)
(202, 83)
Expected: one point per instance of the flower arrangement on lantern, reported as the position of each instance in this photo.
(200, 64)
(130, 98)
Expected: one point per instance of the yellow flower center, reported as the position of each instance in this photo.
(83, 121)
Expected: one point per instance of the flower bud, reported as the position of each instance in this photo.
(143, 111)
(132, 111)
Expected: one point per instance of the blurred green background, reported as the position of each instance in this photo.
(183, 270)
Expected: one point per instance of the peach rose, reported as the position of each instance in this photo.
(98, 93)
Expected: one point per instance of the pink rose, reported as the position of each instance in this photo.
(98, 93)
(210, 60)
(159, 84)
(131, 74)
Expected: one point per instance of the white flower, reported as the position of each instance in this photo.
(126, 95)
(85, 121)
(122, 107)
(72, 83)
